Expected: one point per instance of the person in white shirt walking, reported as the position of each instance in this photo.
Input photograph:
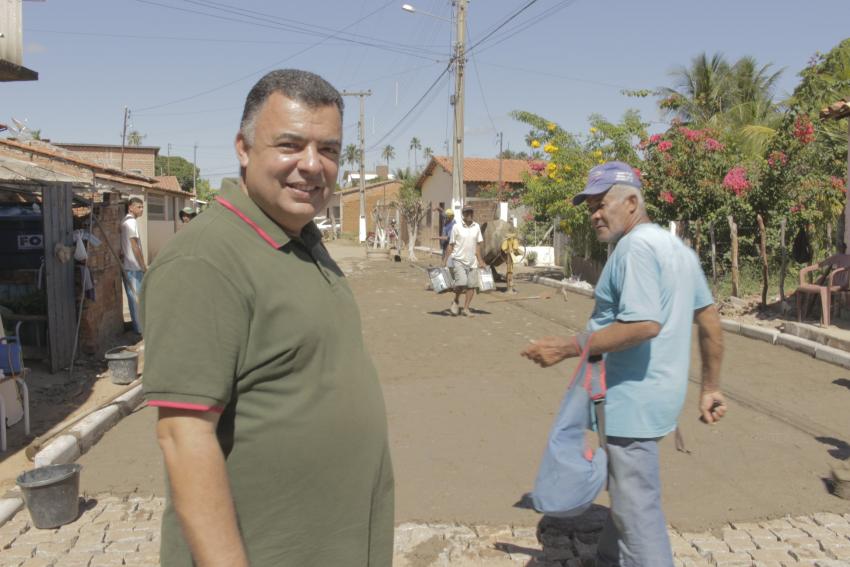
(134, 261)
(465, 252)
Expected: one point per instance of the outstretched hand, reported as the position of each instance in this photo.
(712, 407)
(549, 350)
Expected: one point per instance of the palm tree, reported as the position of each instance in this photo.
(700, 92)
(428, 153)
(350, 154)
(388, 153)
(415, 145)
(736, 100)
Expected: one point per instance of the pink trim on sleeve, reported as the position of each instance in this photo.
(184, 405)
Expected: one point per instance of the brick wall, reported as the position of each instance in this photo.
(135, 158)
(102, 318)
(374, 195)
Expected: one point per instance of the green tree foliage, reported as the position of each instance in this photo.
(135, 138)
(557, 179)
(179, 167)
(413, 209)
(736, 101)
(205, 192)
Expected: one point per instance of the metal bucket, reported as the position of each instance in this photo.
(52, 494)
(123, 364)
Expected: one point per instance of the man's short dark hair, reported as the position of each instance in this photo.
(301, 86)
(133, 201)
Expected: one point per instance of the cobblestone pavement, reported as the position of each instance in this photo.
(114, 531)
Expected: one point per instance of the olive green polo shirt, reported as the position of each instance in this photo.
(271, 338)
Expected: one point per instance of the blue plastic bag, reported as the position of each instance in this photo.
(571, 474)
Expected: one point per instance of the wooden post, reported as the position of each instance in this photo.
(764, 267)
(61, 320)
(733, 232)
(697, 236)
(783, 265)
(713, 255)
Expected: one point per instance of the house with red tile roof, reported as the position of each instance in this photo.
(479, 174)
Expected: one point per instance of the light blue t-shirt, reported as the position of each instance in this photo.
(650, 276)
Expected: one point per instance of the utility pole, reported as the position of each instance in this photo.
(168, 162)
(195, 168)
(362, 152)
(500, 164)
(124, 135)
(458, 189)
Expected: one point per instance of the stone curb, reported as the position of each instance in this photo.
(815, 349)
(82, 436)
(68, 447)
(8, 508)
(562, 284)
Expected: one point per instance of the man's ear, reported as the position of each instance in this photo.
(242, 147)
(633, 203)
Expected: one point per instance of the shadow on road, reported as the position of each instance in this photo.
(563, 539)
(840, 450)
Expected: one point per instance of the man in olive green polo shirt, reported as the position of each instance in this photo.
(271, 419)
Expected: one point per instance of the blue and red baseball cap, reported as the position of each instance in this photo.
(603, 177)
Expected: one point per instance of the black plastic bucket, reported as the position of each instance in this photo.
(123, 364)
(52, 494)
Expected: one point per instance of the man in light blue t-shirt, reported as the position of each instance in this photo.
(651, 291)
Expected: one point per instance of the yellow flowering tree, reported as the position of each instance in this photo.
(561, 172)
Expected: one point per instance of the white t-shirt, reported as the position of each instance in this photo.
(465, 240)
(129, 229)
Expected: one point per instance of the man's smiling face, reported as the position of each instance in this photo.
(291, 164)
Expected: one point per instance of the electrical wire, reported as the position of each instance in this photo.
(531, 21)
(335, 34)
(409, 112)
(481, 87)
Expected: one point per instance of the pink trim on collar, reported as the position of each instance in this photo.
(263, 234)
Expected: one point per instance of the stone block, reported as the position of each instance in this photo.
(797, 343)
(833, 356)
(830, 520)
(788, 533)
(726, 559)
(731, 326)
(707, 547)
(765, 334)
(8, 508)
(92, 428)
(770, 555)
(740, 545)
(62, 450)
(777, 524)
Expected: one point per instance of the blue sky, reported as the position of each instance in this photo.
(183, 67)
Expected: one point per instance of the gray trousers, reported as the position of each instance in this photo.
(635, 534)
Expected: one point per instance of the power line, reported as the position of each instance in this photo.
(509, 19)
(481, 87)
(531, 21)
(242, 78)
(316, 32)
(409, 112)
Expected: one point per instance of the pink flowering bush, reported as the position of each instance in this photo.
(665, 146)
(804, 130)
(713, 145)
(736, 180)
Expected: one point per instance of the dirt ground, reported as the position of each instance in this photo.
(468, 417)
(55, 399)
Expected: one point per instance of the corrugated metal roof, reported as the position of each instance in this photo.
(19, 171)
